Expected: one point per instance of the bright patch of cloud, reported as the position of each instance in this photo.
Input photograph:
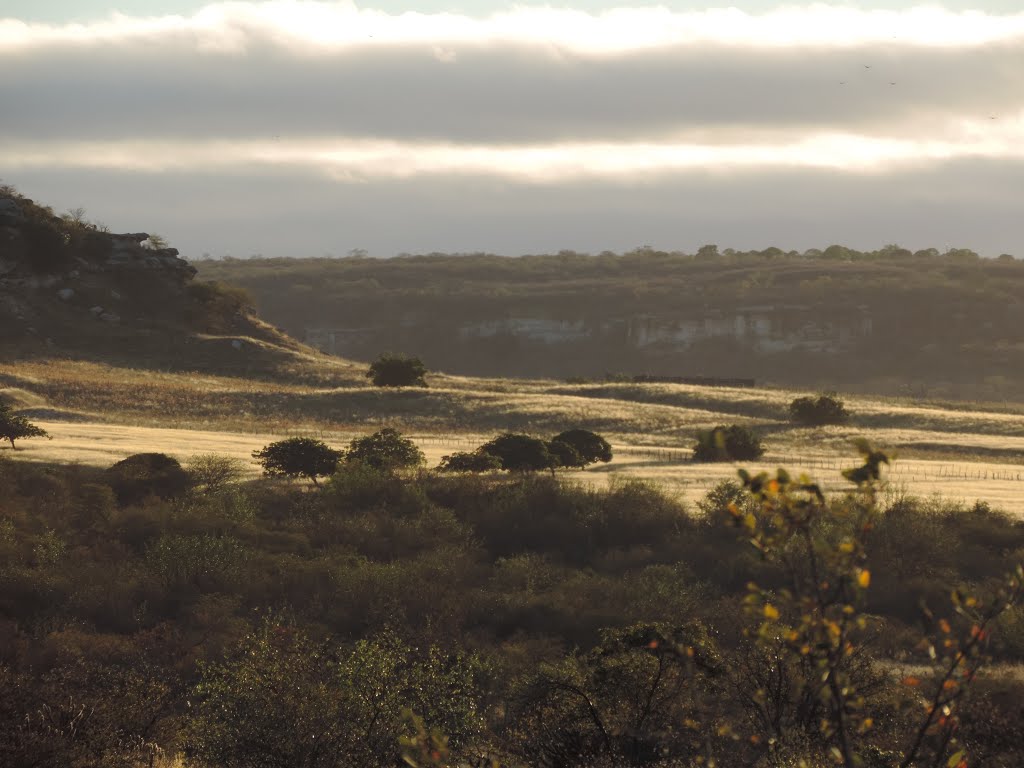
(356, 159)
(230, 26)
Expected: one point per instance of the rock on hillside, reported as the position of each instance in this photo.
(70, 287)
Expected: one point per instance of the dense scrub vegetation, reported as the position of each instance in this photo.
(525, 617)
(936, 318)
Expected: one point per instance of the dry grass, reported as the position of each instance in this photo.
(100, 413)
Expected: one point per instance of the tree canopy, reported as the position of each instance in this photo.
(14, 427)
(397, 371)
(299, 457)
(386, 449)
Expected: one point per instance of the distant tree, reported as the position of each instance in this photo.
(386, 449)
(818, 411)
(14, 427)
(147, 474)
(732, 443)
(520, 453)
(299, 457)
(589, 445)
(397, 371)
(475, 461)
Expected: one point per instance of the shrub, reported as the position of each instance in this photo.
(214, 472)
(520, 453)
(732, 443)
(14, 427)
(816, 412)
(475, 461)
(386, 449)
(298, 457)
(147, 474)
(590, 446)
(397, 371)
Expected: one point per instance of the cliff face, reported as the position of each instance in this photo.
(71, 288)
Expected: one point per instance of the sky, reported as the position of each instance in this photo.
(292, 128)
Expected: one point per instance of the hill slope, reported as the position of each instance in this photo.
(71, 289)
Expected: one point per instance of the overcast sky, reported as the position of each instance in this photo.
(307, 128)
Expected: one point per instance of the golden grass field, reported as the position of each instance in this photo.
(98, 414)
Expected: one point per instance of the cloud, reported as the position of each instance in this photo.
(294, 128)
(295, 212)
(303, 70)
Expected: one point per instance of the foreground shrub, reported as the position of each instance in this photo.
(147, 474)
(298, 457)
(732, 443)
(819, 411)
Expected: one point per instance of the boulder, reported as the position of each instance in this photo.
(65, 294)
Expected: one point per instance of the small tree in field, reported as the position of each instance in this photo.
(819, 411)
(732, 443)
(298, 457)
(476, 461)
(590, 446)
(386, 449)
(14, 427)
(565, 455)
(397, 371)
(520, 453)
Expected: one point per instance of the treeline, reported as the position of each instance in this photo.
(527, 619)
(923, 322)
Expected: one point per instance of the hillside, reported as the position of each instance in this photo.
(891, 321)
(71, 289)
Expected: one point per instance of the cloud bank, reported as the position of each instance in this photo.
(645, 96)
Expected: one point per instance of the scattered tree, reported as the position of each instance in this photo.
(386, 449)
(299, 457)
(565, 455)
(475, 461)
(397, 371)
(589, 445)
(732, 443)
(520, 453)
(819, 411)
(147, 474)
(14, 427)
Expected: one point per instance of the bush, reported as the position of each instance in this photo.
(732, 443)
(397, 371)
(214, 472)
(386, 449)
(14, 427)
(590, 446)
(816, 412)
(299, 457)
(520, 453)
(475, 461)
(147, 474)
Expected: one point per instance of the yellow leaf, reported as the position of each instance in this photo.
(771, 612)
(864, 578)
